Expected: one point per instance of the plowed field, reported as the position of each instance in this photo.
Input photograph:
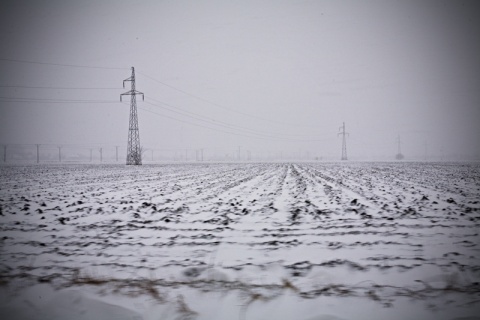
(245, 241)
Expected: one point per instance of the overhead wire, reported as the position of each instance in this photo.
(67, 145)
(38, 100)
(62, 64)
(200, 125)
(250, 133)
(199, 117)
(56, 88)
(218, 105)
(42, 100)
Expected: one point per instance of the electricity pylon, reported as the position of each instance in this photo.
(344, 142)
(399, 155)
(38, 153)
(134, 152)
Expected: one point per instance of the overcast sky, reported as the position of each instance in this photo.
(268, 76)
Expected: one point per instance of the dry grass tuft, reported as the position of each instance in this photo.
(288, 285)
(89, 280)
(185, 312)
(149, 288)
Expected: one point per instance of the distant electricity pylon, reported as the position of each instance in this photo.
(399, 155)
(134, 153)
(344, 142)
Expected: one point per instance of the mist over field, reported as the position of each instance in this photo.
(268, 80)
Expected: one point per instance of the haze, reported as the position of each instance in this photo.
(270, 77)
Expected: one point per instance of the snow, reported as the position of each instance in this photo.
(303, 241)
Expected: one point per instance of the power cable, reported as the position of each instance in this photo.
(255, 136)
(56, 88)
(213, 121)
(258, 134)
(199, 125)
(219, 105)
(37, 100)
(61, 64)
(210, 122)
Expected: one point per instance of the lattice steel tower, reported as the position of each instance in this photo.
(134, 152)
(344, 143)
(399, 155)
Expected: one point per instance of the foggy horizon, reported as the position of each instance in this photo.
(273, 78)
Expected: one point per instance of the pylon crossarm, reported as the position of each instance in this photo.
(129, 93)
(136, 92)
(124, 94)
(129, 79)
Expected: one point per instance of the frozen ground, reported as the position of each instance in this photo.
(306, 241)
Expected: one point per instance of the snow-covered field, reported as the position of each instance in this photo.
(306, 241)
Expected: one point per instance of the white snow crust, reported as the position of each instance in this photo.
(306, 241)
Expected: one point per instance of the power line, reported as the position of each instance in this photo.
(144, 74)
(213, 121)
(255, 136)
(219, 105)
(208, 121)
(61, 64)
(115, 68)
(55, 88)
(256, 133)
(175, 110)
(198, 125)
(37, 100)
(65, 145)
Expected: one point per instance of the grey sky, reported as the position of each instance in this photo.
(291, 70)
